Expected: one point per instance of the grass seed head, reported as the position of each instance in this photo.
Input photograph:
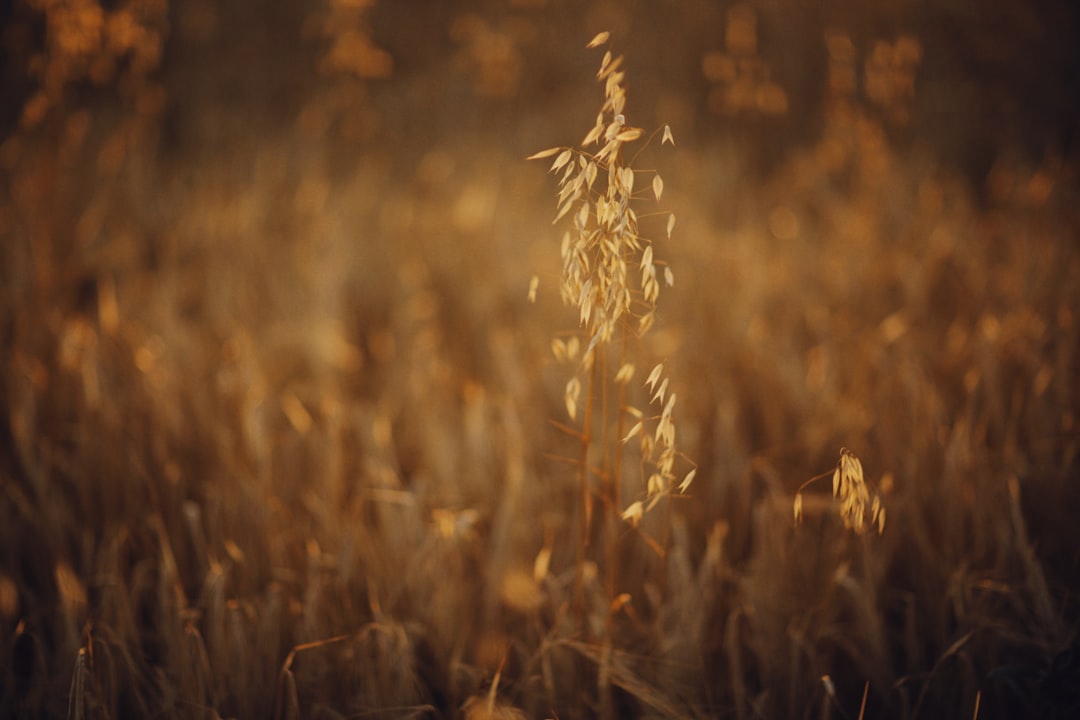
(849, 486)
(610, 272)
(861, 507)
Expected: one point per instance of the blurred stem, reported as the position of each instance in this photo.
(612, 486)
(613, 483)
(620, 430)
(586, 504)
(604, 675)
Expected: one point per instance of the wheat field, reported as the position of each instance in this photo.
(537, 359)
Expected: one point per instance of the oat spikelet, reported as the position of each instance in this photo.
(861, 507)
(850, 487)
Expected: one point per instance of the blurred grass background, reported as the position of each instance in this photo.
(275, 438)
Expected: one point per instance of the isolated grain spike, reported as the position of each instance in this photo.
(861, 507)
(849, 486)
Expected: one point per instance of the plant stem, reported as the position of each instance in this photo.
(586, 503)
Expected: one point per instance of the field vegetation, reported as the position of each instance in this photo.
(310, 410)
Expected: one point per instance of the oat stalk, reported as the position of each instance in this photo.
(612, 277)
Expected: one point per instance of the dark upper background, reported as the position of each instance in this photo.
(994, 76)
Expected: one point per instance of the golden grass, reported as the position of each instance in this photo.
(599, 253)
(279, 434)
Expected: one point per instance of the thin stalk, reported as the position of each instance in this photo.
(605, 445)
(586, 505)
(620, 431)
(612, 492)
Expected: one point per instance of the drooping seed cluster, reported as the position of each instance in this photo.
(855, 496)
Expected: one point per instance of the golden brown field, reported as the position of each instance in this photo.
(311, 411)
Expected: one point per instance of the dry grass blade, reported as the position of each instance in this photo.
(733, 651)
(288, 704)
(618, 664)
(487, 707)
(288, 700)
(77, 695)
(952, 650)
(830, 700)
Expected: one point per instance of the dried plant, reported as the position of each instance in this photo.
(600, 253)
(855, 496)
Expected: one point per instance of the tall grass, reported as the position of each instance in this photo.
(277, 433)
(598, 256)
